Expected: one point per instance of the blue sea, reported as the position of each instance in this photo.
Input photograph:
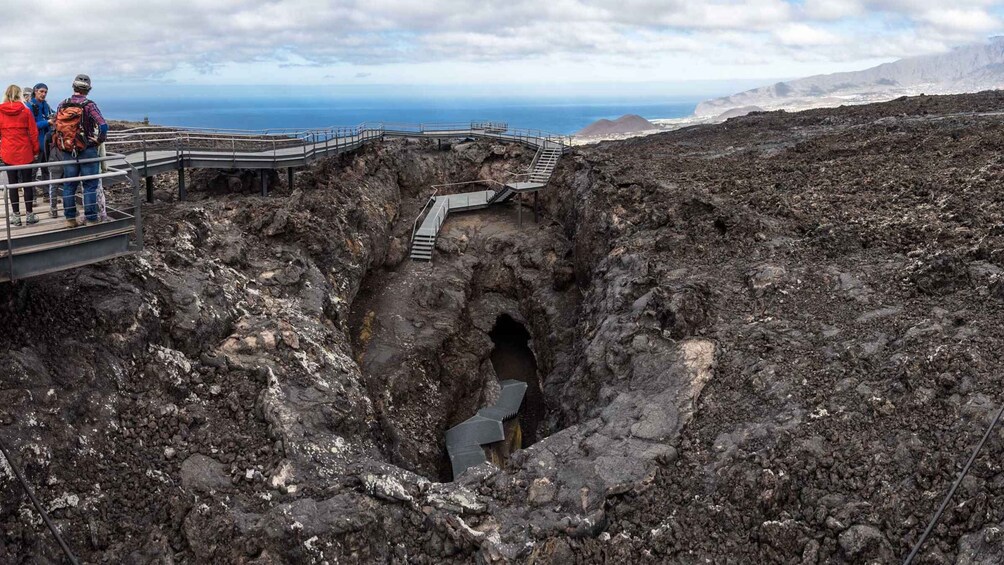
(562, 116)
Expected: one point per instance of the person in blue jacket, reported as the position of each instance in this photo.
(42, 112)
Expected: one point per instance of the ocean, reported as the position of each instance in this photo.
(562, 116)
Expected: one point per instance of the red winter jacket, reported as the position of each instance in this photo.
(18, 134)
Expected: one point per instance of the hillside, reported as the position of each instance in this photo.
(970, 68)
(629, 123)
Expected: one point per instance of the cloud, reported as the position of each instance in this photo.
(803, 35)
(151, 39)
(961, 20)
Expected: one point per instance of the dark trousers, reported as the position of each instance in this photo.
(15, 177)
(90, 186)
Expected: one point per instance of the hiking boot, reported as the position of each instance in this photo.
(53, 212)
(31, 218)
(71, 223)
(15, 220)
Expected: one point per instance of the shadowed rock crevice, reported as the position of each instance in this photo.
(512, 358)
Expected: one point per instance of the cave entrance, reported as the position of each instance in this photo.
(512, 358)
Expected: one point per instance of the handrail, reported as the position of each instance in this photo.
(466, 182)
(414, 227)
(112, 172)
(313, 136)
(109, 157)
(441, 216)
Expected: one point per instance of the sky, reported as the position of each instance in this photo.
(480, 45)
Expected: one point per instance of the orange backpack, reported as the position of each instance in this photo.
(68, 132)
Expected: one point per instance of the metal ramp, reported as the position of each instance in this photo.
(423, 238)
(465, 442)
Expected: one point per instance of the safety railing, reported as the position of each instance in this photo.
(312, 141)
(421, 213)
(105, 216)
(440, 215)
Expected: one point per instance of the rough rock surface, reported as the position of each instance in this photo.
(771, 340)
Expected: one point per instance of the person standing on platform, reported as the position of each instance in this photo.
(18, 146)
(79, 129)
(42, 113)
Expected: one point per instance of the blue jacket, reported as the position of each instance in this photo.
(41, 110)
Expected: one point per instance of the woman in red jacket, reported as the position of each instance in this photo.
(18, 146)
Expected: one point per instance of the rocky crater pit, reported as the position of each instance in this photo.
(770, 340)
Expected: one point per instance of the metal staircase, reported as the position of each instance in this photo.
(467, 442)
(503, 195)
(544, 163)
(538, 174)
(421, 247)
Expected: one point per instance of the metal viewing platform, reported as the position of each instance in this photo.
(49, 245)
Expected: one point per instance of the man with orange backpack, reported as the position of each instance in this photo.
(77, 120)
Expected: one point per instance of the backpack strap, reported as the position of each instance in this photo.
(86, 120)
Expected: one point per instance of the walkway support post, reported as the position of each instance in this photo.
(289, 172)
(519, 209)
(10, 242)
(146, 174)
(535, 213)
(182, 192)
(264, 183)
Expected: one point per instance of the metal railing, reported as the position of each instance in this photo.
(441, 215)
(277, 144)
(117, 211)
(421, 212)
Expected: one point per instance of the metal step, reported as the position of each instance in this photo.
(465, 440)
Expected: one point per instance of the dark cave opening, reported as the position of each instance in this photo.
(512, 358)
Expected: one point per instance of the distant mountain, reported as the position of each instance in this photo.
(970, 68)
(629, 123)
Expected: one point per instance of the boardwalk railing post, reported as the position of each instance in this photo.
(146, 175)
(10, 242)
(137, 212)
(182, 192)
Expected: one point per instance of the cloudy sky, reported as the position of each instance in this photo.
(487, 42)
